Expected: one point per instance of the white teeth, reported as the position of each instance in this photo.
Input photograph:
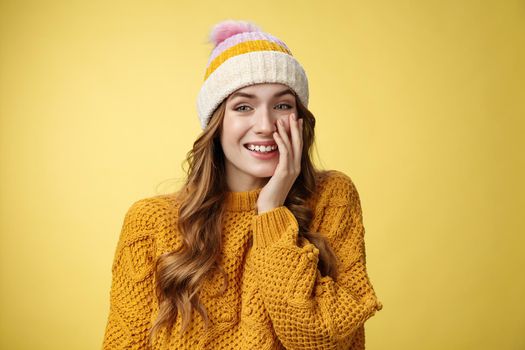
(262, 149)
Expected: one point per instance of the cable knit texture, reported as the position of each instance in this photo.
(276, 299)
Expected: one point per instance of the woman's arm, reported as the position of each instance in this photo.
(132, 288)
(309, 311)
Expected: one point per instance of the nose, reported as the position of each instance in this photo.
(265, 123)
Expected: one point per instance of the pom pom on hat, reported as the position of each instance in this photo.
(225, 29)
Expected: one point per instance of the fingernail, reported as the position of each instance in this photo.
(294, 116)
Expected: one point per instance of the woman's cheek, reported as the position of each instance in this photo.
(238, 125)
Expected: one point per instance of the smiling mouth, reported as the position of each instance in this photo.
(261, 149)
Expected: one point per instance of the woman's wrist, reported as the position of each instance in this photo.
(263, 208)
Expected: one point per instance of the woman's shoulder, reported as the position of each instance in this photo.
(153, 218)
(150, 213)
(335, 188)
(152, 208)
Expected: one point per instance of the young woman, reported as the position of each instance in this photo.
(259, 249)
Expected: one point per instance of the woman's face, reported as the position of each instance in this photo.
(251, 118)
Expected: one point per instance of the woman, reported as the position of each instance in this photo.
(258, 250)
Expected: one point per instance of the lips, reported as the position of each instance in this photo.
(260, 143)
(263, 155)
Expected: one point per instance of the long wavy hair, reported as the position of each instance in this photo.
(179, 275)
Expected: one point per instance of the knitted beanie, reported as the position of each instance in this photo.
(244, 55)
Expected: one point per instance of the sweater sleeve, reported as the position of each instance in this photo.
(308, 310)
(132, 290)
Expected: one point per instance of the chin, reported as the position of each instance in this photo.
(267, 171)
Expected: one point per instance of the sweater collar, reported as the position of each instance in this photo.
(242, 201)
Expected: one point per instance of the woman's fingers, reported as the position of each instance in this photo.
(283, 153)
(287, 147)
(297, 144)
(284, 136)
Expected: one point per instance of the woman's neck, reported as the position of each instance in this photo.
(242, 200)
(238, 181)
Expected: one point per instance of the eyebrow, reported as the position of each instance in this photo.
(244, 94)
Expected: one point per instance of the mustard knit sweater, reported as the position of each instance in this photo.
(276, 299)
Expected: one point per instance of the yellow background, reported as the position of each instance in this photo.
(420, 102)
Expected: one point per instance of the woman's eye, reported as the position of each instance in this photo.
(237, 109)
(242, 107)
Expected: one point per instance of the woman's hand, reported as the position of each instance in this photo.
(276, 189)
